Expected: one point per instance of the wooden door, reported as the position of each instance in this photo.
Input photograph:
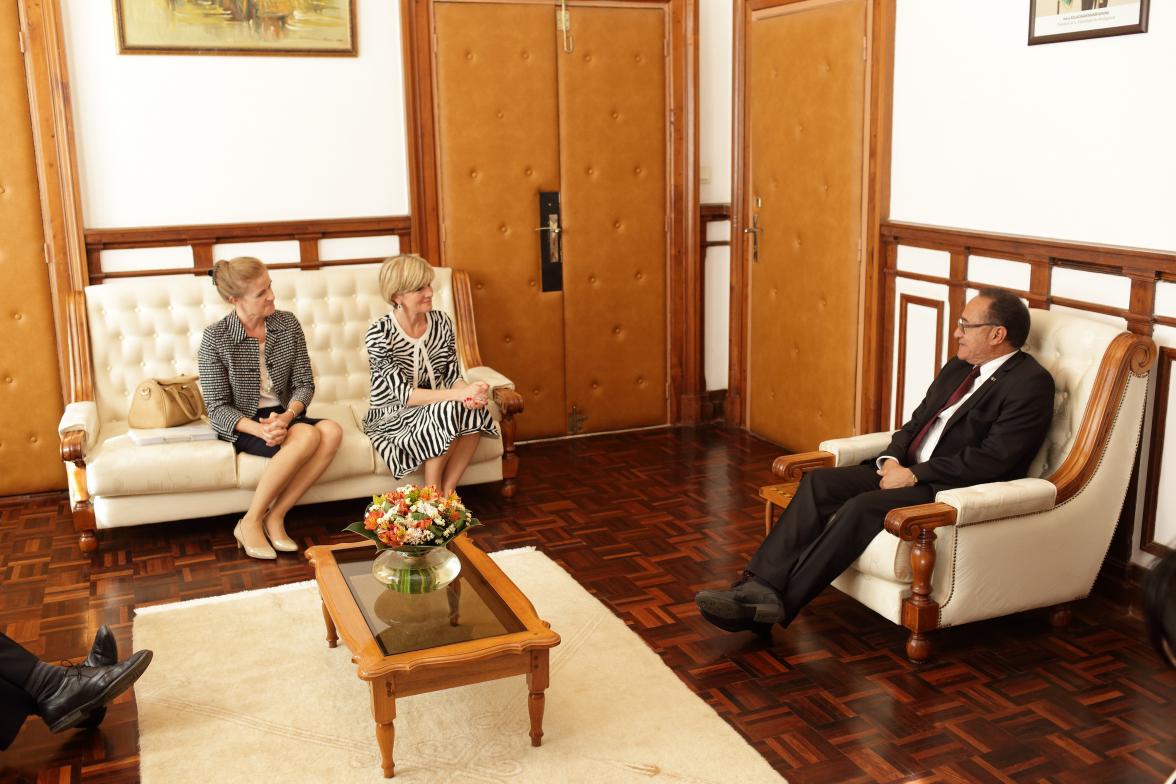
(804, 111)
(519, 114)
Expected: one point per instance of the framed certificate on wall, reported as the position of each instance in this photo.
(1051, 21)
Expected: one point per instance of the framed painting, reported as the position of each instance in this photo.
(1051, 21)
(265, 27)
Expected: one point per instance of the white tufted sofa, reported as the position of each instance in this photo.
(151, 327)
(1005, 547)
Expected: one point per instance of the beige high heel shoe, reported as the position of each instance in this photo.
(264, 553)
(286, 545)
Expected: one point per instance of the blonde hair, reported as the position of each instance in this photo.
(232, 277)
(402, 274)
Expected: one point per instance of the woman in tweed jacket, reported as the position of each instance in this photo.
(256, 378)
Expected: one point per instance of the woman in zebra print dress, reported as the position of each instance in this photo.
(257, 382)
(422, 411)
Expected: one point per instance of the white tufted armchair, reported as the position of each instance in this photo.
(151, 327)
(1005, 547)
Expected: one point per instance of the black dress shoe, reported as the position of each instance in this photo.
(86, 689)
(748, 606)
(104, 651)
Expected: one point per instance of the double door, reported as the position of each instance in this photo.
(552, 138)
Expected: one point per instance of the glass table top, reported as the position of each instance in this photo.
(465, 610)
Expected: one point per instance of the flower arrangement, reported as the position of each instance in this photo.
(411, 518)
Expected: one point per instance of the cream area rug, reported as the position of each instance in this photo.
(243, 688)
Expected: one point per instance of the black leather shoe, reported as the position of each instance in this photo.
(104, 651)
(749, 606)
(87, 689)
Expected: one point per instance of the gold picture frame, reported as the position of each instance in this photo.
(1052, 21)
(322, 28)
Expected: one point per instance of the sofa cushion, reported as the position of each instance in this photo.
(354, 458)
(116, 466)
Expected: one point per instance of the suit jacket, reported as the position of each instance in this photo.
(993, 435)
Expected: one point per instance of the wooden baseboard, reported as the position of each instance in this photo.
(713, 406)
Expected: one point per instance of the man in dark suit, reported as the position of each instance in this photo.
(65, 697)
(983, 419)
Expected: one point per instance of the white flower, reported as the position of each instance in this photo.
(427, 509)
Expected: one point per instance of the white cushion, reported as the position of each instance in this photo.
(116, 466)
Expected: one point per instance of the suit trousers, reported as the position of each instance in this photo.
(16, 665)
(833, 517)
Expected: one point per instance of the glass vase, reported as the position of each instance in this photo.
(416, 570)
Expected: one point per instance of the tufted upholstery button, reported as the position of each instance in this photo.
(526, 55)
(17, 316)
(616, 224)
(3, 189)
(507, 339)
(590, 171)
(616, 115)
(469, 55)
(528, 171)
(503, 228)
(479, 286)
(638, 58)
(595, 385)
(8, 379)
(535, 391)
(617, 330)
(640, 381)
(591, 278)
(587, 58)
(33, 439)
(637, 170)
(474, 173)
(499, 114)
(532, 283)
(639, 275)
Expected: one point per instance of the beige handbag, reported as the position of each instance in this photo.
(166, 402)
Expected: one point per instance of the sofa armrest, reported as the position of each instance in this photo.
(855, 449)
(998, 500)
(489, 376)
(80, 417)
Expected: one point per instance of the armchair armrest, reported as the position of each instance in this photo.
(997, 500)
(78, 430)
(489, 376)
(855, 449)
(793, 467)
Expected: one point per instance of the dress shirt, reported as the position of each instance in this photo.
(931, 440)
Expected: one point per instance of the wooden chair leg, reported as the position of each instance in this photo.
(1059, 616)
(918, 647)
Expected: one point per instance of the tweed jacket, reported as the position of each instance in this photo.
(230, 377)
(993, 436)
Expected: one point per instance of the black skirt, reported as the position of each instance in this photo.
(251, 444)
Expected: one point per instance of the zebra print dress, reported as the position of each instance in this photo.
(406, 436)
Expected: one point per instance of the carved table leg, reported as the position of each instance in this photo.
(384, 712)
(332, 635)
(538, 678)
(453, 594)
(1059, 616)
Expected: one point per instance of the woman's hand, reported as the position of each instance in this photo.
(472, 396)
(274, 428)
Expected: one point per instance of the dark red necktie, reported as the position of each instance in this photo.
(960, 391)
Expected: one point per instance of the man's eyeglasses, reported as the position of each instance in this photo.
(966, 326)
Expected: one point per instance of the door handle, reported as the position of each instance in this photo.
(754, 230)
(553, 230)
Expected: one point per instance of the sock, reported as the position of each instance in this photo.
(44, 681)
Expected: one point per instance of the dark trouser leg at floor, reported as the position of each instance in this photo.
(807, 550)
(16, 664)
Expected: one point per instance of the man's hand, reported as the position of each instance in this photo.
(895, 475)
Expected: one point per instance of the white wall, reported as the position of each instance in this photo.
(1068, 141)
(167, 139)
(714, 130)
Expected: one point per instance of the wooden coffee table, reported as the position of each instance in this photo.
(478, 629)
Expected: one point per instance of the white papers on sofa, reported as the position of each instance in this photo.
(193, 431)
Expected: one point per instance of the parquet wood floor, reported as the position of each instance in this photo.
(643, 520)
